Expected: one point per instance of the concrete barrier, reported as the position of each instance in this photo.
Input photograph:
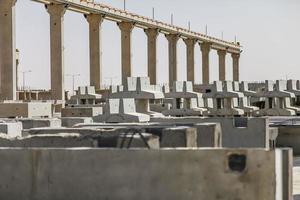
(89, 174)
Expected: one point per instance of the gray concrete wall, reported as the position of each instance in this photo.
(289, 136)
(236, 132)
(77, 174)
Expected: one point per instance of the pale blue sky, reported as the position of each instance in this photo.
(268, 30)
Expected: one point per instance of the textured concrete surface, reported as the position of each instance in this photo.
(90, 174)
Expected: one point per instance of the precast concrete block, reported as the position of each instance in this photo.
(36, 123)
(228, 86)
(209, 134)
(178, 86)
(179, 137)
(187, 86)
(236, 86)
(59, 140)
(12, 129)
(292, 85)
(143, 84)
(72, 121)
(218, 86)
(129, 140)
(269, 85)
(281, 85)
(27, 110)
(81, 111)
(131, 84)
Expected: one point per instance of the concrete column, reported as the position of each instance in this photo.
(152, 59)
(172, 39)
(95, 49)
(56, 12)
(236, 66)
(222, 65)
(126, 30)
(190, 56)
(7, 50)
(205, 49)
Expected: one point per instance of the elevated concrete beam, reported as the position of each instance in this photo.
(119, 15)
(152, 57)
(172, 39)
(95, 49)
(7, 50)
(56, 12)
(126, 30)
(190, 56)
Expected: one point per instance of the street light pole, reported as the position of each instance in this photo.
(24, 75)
(73, 81)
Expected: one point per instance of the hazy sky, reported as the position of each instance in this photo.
(269, 31)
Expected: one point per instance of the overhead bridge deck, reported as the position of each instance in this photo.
(119, 15)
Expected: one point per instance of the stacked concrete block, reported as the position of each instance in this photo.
(225, 100)
(292, 87)
(252, 96)
(139, 89)
(244, 102)
(277, 100)
(25, 109)
(178, 137)
(86, 95)
(185, 102)
(86, 103)
(121, 110)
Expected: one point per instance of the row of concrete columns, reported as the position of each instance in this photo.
(57, 11)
